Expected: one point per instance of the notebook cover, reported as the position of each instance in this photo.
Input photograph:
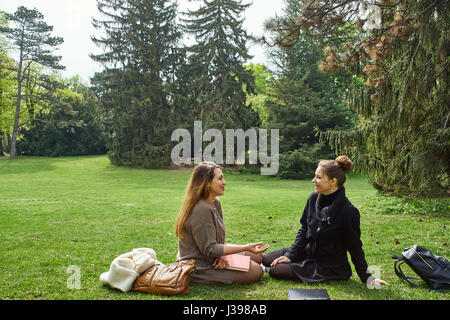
(238, 262)
(308, 294)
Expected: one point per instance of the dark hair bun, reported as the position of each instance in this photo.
(345, 163)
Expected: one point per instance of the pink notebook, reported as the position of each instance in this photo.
(238, 262)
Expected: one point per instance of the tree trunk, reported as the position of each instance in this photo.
(1, 147)
(7, 143)
(16, 118)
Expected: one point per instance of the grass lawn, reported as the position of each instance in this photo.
(83, 211)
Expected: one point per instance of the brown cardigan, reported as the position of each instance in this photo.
(203, 241)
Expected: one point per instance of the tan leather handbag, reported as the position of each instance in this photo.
(167, 280)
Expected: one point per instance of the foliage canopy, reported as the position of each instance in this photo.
(398, 54)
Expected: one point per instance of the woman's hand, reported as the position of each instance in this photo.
(281, 259)
(220, 263)
(376, 283)
(256, 247)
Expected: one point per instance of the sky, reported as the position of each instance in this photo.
(71, 19)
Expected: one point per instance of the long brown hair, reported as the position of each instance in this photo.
(197, 189)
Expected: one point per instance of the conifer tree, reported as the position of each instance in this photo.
(398, 53)
(217, 64)
(305, 100)
(140, 43)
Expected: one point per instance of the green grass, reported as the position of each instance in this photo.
(83, 211)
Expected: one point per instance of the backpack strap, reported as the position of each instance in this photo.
(398, 271)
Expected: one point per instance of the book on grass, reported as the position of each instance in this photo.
(238, 262)
(308, 294)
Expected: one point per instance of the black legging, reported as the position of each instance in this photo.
(281, 271)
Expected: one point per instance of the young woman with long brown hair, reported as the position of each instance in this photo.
(201, 231)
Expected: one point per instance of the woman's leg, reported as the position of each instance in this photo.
(281, 271)
(254, 257)
(269, 257)
(254, 274)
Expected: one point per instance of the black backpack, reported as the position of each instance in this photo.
(432, 269)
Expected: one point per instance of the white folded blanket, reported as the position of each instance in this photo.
(127, 267)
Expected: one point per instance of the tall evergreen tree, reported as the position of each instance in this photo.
(217, 64)
(305, 101)
(398, 55)
(141, 39)
(31, 37)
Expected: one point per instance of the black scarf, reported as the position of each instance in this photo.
(326, 209)
(328, 206)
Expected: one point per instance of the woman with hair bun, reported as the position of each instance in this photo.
(329, 228)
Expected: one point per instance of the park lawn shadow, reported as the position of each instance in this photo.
(23, 165)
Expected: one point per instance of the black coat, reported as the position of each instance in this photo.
(329, 228)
